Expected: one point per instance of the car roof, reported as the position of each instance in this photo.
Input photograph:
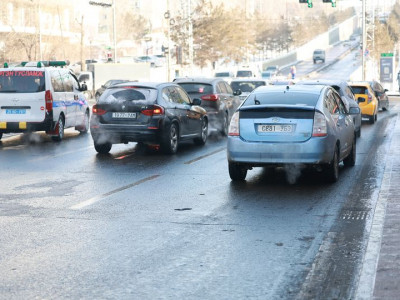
(312, 89)
(246, 79)
(197, 80)
(154, 85)
(360, 83)
(330, 82)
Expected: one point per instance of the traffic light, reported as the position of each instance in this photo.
(309, 2)
(330, 1)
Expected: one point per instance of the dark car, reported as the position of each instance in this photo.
(380, 94)
(347, 96)
(217, 98)
(107, 85)
(149, 113)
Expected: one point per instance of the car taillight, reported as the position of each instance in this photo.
(211, 97)
(369, 98)
(234, 125)
(49, 100)
(97, 110)
(319, 127)
(154, 111)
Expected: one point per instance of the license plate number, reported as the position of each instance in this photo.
(275, 128)
(124, 115)
(15, 111)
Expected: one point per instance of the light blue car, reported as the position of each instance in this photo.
(306, 125)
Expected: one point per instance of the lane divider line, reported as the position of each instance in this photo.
(204, 156)
(100, 197)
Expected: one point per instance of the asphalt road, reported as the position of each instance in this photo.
(142, 225)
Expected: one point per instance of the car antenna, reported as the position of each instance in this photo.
(256, 102)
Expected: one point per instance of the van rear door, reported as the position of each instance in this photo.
(22, 95)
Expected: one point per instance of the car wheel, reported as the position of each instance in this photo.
(350, 160)
(332, 169)
(1, 135)
(102, 148)
(359, 132)
(59, 130)
(85, 126)
(169, 144)
(376, 117)
(237, 172)
(372, 119)
(225, 125)
(204, 134)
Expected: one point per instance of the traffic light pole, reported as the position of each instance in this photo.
(364, 39)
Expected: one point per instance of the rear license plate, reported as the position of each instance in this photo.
(275, 128)
(124, 115)
(15, 111)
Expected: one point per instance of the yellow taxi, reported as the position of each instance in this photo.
(366, 99)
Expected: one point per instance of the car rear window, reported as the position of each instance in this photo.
(222, 74)
(197, 88)
(282, 98)
(128, 94)
(244, 74)
(360, 90)
(22, 81)
(246, 86)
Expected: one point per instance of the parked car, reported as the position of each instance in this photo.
(108, 83)
(246, 85)
(366, 100)
(42, 96)
(319, 55)
(347, 96)
(291, 125)
(380, 94)
(217, 98)
(152, 113)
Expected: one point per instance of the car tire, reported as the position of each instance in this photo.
(169, 143)
(237, 172)
(332, 169)
(350, 160)
(203, 135)
(359, 132)
(372, 119)
(103, 148)
(84, 128)
(1, 135)
(225, 125)
(59, 130)
(376, 117)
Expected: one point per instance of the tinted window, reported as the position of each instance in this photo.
(244, 74)
(185, 98)
(56, 81)
(67, 82)
(197, 88)
(128, 94)
(360, 90)
(246, 86)
(221, 88)
(228, 88)
(22, 81)
(282, 98)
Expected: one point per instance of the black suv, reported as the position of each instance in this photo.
(217, 98)
(153, 113)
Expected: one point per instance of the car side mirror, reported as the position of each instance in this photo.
(360, 99)
(354, 111)
(196, 101)
(237, 92)
(386, 90)
(83, 87)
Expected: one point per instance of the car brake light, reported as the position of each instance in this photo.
(211, 97)
(49, 100)
(234, 125)
(154, 111)
(369, 98)
(97, 110)
(319, 128)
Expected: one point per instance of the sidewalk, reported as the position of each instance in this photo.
(380, 275)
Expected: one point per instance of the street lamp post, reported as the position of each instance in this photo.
(113, 4)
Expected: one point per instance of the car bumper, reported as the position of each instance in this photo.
(122, 134)
(318, 150)
(368, 109)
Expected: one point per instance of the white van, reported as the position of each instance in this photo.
(40, 96)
